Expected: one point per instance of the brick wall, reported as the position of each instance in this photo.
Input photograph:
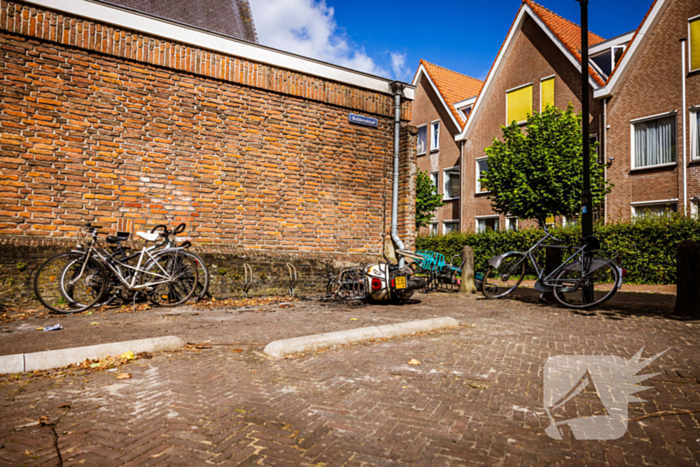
(653, 86)
(532, 57)
(108, 125)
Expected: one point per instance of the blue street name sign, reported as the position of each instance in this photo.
(362, 120)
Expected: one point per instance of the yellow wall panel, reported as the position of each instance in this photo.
(518, 104)
(547, 93)
(695, 44)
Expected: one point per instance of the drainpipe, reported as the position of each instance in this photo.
(685, 168)
(397, 90)
(605, 156)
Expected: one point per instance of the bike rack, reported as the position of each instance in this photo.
(248, 279)
(293, 278)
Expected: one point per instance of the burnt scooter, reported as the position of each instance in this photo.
(379, 282)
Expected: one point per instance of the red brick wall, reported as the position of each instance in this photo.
(107, 125)
(532, 57)
(426, 109)
(652, 86)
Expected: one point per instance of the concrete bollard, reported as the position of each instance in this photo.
(688, 278)
(467, 286)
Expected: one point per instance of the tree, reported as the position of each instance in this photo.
(427, 199)
(539, 173)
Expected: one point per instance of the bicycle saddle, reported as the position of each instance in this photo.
(149, 237)
(591, 242)
(120, 237)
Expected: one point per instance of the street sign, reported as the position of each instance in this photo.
(362, 120)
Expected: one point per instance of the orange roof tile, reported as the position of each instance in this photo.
(453, 86)
(568, 33)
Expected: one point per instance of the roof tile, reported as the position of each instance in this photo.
(453, 86)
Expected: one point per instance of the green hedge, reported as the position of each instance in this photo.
(647, 246)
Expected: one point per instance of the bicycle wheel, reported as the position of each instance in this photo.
(582, 291)
(83, 292)
(173, 276)
(503, 280)
(202, 288)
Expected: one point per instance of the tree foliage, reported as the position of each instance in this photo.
(427, 199)
(538, 172)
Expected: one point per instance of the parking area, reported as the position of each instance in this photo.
(475, 397)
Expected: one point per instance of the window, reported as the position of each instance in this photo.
(451, 183)
(435, 136)
(695, 133)
(654, 142)
(466, 111)
(654, 208)
(518, 104)
(546, 92)
(487, 223)
(617, 52)
(511, 223)
(434, 178)
(694, 29)
(422, 139)
(481, 168)
(434, 228)
(450, 226)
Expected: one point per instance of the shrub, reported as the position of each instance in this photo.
(647, 246)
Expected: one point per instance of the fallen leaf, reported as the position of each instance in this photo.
(94, 323)
(39, 329)
(64, 406)
(128, 355)
(353, 319)
(413, 361)
(237, 350)
(478, 386)
(94, 365)
(124, 376)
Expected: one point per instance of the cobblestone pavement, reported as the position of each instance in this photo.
(475, 398)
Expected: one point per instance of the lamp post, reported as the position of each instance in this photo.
(586, 195)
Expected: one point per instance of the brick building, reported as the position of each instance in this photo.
(636, 86)
(444, 99)
(652, 110)
(128, 121)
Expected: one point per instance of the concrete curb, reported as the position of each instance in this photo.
(350, 336)
(19, 363)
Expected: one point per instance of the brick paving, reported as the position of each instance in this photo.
(475, 399)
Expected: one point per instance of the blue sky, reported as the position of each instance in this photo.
(389, 37)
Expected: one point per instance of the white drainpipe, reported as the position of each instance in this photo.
(397, 89)
(685, 168)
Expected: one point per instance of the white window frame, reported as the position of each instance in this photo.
(462, 109)
(445, 196)
(516, 223)
(690, 44)
(694, 143)
(673, 113)
(432, 129)
(437, 228)
(451, 221)
(426, 139)
(531, 83)
(612, 55)
(490, 216)
(478, 185)
(436, 180)
(555, 88)
(641, 204)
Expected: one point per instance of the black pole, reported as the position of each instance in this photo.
(586, 196)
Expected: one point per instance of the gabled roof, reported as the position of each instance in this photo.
(640, 36)
(568, 33)
(231, 18)
(450, 86)
(565, 34)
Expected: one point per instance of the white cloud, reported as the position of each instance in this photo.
(308, 28)
(398, 66)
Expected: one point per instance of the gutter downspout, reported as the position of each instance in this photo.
(397, 90)
(605, 156)
(685, 167)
